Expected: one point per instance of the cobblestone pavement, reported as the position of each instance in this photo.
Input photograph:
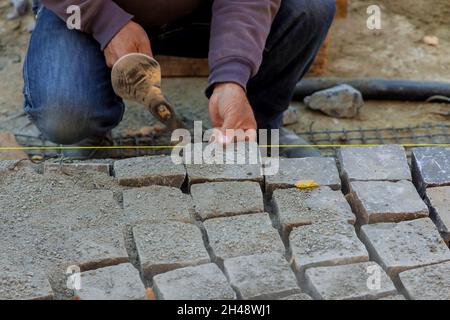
(143, 228)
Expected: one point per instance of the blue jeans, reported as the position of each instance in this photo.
(68, 92)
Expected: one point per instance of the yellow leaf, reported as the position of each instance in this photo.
(307, 184)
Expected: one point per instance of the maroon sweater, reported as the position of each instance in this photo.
(239, 28)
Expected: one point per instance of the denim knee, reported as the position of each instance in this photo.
(62, 119)
(67, 85)
(317, 17)
(324, 13)
(300, 21)
(319, 14)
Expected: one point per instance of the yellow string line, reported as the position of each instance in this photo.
(175, 147)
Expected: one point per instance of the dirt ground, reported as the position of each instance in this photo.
(396, 51)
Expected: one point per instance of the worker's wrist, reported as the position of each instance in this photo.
(106, 28)
(229, 70)
(226, 85)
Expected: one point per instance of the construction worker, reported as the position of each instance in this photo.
(257, 49)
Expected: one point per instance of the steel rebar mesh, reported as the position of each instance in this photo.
(138, 145)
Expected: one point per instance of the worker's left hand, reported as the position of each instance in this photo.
(229, 108)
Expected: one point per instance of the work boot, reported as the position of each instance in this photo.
(300, 149)
(85, 154)
(287, 137)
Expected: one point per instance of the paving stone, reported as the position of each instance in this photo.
(384, 201)
(243, 236)
(321, 170)
(205, 282)
(157, 204)
(64, 167)
(145, 171)
(121, 282)
(23, 273)
(401, 246)
(162, 247)
(44, 250)
(220, 199)
(79, 210)
(295, 207)
(326, 244)
(18, 285)
(248, 169)
(266, 276)
(51, 250)
(95, 248)
(349, 282)
(299, 296)
(222, 172)
(381, 163)
(431, 167)
(439, 199)
(396, 297)
(427, 283)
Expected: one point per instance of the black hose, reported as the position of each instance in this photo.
(379, 89)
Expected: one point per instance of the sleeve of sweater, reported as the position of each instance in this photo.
(239, 33)
(101, 18)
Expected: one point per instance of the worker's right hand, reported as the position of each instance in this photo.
(132, 38)
(231, 113)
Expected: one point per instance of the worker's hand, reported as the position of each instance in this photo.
(229, 108)
(132, 38)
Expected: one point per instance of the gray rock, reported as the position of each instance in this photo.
(431, 167)
(296, 208)
(243, 236)
(221, 199)
(350, 282)
(157, 204)
(322, 170)
(439, 199)
(12, 15)
(326, 244)
(406, 245)
(261, 277)
(145, 171)
(162, 247)
(342, 101)
(381, 163)
(427, 283)
(290, 116)
(121, 282)
(384, 201)
(21, 6)
(205, 282)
